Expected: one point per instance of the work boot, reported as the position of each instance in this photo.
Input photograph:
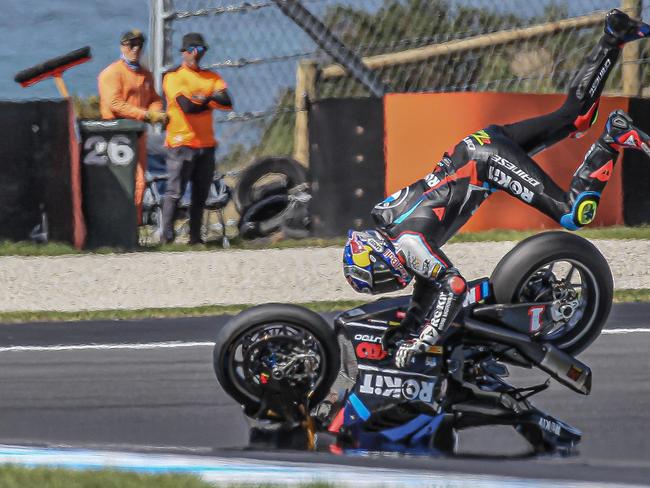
(620, 133)
(621, 27)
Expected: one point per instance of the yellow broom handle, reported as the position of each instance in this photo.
(61, 86)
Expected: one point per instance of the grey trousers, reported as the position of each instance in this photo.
(186, 164)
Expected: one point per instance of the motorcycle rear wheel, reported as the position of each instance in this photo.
(544, 266)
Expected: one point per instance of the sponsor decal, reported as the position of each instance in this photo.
(431, 180)
(439, 211)
(586, 212)
(395, 199)
(603, 173)
(367, 350)
(574, 373)
(482, 137)
(470, 144)
(395, 387)
(396, 263)
(505, 181)
(514, 169)
(441, 311)
(599, 77)
(375, 244)
(434, 350)
(368, 338)
(549, 426)
(535, 314)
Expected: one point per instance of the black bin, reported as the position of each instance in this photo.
(109, 158)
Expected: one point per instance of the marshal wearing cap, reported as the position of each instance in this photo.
(193, 39)
(132, 35)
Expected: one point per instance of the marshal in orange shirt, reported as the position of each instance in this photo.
(191, 129)
(126, 94)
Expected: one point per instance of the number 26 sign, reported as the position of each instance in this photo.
(101, 152)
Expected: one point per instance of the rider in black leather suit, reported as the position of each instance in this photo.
(419, 219)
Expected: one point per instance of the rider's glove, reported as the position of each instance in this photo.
(398, 333)
(409, 349)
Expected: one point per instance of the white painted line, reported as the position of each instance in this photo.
(82, 347)
(624, 331)
(178, 344)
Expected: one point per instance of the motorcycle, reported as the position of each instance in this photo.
(308, 385)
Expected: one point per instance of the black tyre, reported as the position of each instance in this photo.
(263, 217)
(559, 265)
(278, 327)
(253, 181)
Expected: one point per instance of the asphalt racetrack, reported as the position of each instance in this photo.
(149, 386)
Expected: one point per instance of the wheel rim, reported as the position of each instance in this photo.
(264, 349)
(575, 286)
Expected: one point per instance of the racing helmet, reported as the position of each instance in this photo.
(371, 265)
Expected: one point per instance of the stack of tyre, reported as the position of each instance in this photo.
(272, 197)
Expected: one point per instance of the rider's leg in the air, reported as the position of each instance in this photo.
(437, 300)
(580, 108)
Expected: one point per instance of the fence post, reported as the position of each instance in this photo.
(305, 93)
(631, 68)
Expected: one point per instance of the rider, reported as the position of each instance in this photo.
(413, 223)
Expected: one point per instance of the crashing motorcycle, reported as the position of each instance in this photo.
(308, 385)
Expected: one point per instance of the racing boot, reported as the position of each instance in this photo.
(590, 80)
(592, 175)
(624, 29)
(453, 289)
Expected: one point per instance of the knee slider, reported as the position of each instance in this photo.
(453, 282)
(583, 211)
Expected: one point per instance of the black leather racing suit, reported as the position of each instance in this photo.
(420, 218)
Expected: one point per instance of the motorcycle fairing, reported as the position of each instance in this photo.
(527, 318)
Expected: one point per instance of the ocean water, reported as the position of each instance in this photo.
(36, 30)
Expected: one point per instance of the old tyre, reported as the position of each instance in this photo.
(285, 174)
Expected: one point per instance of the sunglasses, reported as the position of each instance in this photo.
(133, 43)
(196, 49)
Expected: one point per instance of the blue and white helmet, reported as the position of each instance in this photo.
(371, 265)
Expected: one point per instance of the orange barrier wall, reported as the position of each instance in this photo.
(420, 127)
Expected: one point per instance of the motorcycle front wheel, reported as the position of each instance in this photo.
(265, 341)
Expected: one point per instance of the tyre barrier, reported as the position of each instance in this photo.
(284, 212)
(279, 205)
(249, 190)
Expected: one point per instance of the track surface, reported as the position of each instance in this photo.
(157, 392)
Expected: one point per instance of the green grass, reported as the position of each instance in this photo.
(58, 249)
(21, 477)
(208, 310)
(620, 296)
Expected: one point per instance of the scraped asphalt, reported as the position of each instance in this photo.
(62, 386)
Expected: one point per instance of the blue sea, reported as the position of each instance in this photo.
(36, 30)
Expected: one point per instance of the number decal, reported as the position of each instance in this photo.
(96, 147)
(117, 151)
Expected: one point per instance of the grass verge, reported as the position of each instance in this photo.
(12, 476)
(59, 249)
(620, 296)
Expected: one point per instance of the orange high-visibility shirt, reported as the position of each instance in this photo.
(126, 94)
(193, 130)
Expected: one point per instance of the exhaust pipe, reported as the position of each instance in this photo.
(563, 367)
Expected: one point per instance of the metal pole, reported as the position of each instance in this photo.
(157, 41)
(631, 68)
(331, 44)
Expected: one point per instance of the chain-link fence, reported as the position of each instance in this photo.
(413, 45)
